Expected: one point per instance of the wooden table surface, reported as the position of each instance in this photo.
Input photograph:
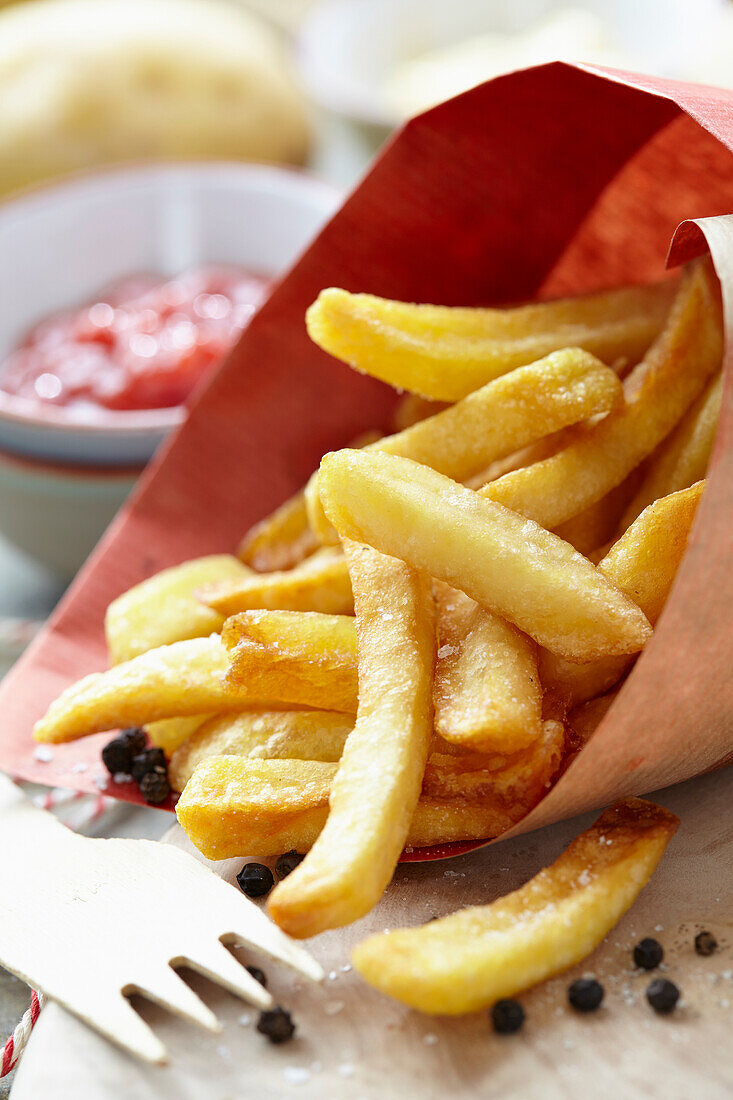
(353, 1043)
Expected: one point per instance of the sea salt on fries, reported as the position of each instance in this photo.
(643, 564)
(508, 564)
(266, 735)
(499, 419)
(164, 608)
(320, 583)
(478, 955)
(377, 785)
(445, 353)
(658, 392)
(301, 658)
(281, 540)
(169, 682)
(486, 692)
(682, 459)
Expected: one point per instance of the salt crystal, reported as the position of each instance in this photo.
(122, 777)
(297, 1075)
(43, 754)
(223, 1052)
(100, 781)
(658, 927)
(345, 1070)
(346, 968)
(245, 1019)
(727, 974)
(333, 1008)
(332, 975)
(80, 766)
(430, 1039)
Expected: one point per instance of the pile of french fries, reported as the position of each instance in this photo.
(412, 649)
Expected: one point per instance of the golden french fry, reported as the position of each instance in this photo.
(309, 635)
(683, 457)
(478, 955)
(170, 733)
(281, 540)
(232, 806)
(598, 524)
(378, 782)
(262, 734)
(658, 392)
(164, 609)
(173, 681)
(507, 563)
(412, 408)
(584, 720)
(445, 353)
(486, 691)
(320, 583)
(643, 564)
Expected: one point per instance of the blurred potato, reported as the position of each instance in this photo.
(93, 82)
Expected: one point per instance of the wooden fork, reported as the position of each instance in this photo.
(87, 921)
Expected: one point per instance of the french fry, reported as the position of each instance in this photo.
(320, 583)
(232, 806)
(378, 782)
(164, 609)
(173, 681)
(281, 540)
(658, 392)
(486, 691)
(301, 658)
(170, 733)
(499, 419)
(584, 720)
(412, 408)
(508, 564)
(643, 564)
(262, 734)
(444, 353)
(598, 524)
(682, 459)
(476, 956)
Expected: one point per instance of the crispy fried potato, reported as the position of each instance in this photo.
(584, 720)
(307, 634)
(508, 564)
(643, 564)
(682, 459)
(486, 691)
(445, 353)
(326, 680)
(164, 609)
(265, 735)
(658, 392)
(598, 524)
(232, 806)
(320, 583)
(170, 733)
(377, 786)
(173, 681)
(500, 419)
(412, 408)
(478, 955)
(280, 540)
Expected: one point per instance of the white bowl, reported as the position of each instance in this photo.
(61, 245)
(349, 49)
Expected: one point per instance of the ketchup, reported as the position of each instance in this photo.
(144, 344)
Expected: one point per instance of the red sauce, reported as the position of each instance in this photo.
(145, 344)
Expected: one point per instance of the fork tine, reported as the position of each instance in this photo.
(217, 964)
(253, 928)
(115, 1017)
(169, 990)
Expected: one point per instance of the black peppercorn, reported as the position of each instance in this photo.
(258, 975)
(585, 994)
(117, 754)
(287, 863)
(154, 787)
(648, 954)
(507, 1016)
(148, 761)
(662, 995)
(705, 943)
(277, 1024)
(255, 880)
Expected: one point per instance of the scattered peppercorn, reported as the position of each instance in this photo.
(255, 880)
(648, 954)
(507, 1016)
(287, 863)
(277, 1024)
(117, 754)
(705, 943)
(662, 995)
(258, 975)
(149, 760)
(585, 994)
(154, 787)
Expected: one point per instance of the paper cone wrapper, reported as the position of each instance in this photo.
(557, 179)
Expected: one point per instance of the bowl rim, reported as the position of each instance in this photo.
(54, 419)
